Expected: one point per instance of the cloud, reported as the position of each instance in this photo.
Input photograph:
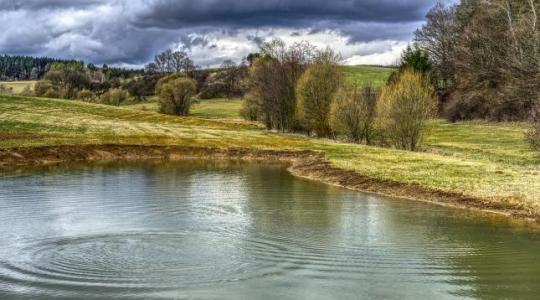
(130, 32)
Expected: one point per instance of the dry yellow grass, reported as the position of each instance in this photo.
(18, 86)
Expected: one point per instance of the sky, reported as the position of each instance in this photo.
(130, 32)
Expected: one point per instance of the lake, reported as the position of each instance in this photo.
(230, 230)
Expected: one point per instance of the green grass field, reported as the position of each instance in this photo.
(210, 108)
(377, 76)
(484, 160)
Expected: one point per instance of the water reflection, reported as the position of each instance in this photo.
(245, 231)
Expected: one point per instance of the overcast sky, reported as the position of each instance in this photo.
(131, 32)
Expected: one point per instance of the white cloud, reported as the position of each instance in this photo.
(216, 46)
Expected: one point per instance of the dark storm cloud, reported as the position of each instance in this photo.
(132, 31)
(174, 13)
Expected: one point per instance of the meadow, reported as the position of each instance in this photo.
(376, 76)
(18, 87)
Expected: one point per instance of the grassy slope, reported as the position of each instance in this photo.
(18, 86)
(366, 74)
(485, 160)
(211, 108)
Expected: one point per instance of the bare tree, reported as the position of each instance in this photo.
(171, 62)
(404, 108)
(353, 113)
(438, 37)
(273, 81)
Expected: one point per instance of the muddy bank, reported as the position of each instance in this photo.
(307, 164)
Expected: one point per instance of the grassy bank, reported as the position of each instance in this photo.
(490, 162)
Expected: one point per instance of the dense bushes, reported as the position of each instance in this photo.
(353, 113)
(175, 94)
(86, 95)
(403, 109)
(273, 79)
(312, 81)
(114, 96)
(45, 88)
(485, 57)
(315, 92)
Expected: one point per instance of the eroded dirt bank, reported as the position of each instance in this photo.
(307, 164)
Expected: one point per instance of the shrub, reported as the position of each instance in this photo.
(175, 93)
(404, 108)
(533, 134)
(353, 113)
(114, 96)
(250, 108)
(45, 88)
(315, 91)
(86, 95)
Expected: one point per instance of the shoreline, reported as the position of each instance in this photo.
(306, 164)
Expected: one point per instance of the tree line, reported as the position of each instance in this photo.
(299, 88)
(111, 85)
(27, 68)
(484, 59)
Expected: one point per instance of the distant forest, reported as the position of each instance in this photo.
(14, 68)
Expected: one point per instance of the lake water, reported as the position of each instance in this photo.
(201, 230)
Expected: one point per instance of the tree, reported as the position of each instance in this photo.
(273, 80)
(171, 62)
(353, 113)
(485, 57)
(438, 38)
(416, 59)
(315, 91)
(175, 93)
(252, 57)
(27, 67)
(533, 134)
(404, 108)
(45, 88)
(142, 87)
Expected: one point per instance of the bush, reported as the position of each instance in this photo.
(404, 108)
(533, 135)
(315, 91)
(86, 95)
(175, 93)
(114, 97)
(45, 88)
(353, 113)
(250, 108)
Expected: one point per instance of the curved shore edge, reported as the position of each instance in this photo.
(306, 164)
